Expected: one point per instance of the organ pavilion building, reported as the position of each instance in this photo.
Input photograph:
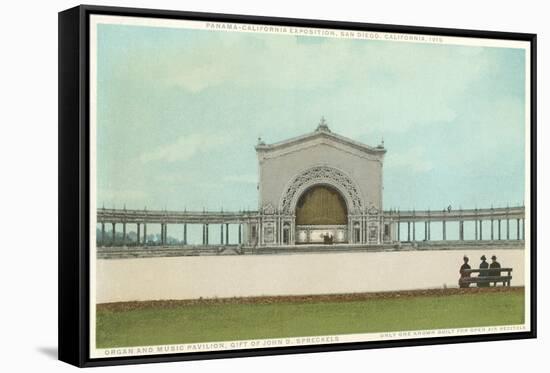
(320, 185)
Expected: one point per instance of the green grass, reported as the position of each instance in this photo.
(219, 322)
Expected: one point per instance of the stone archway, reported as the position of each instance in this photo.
(323, 175)
(334, 181)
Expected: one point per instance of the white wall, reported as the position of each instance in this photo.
(193, 277)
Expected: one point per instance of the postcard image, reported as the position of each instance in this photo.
(262, 186)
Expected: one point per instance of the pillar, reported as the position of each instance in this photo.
(399, 231)
(145, 234)
(461, 230)
(517, 230)
(207, 234)
(185, 234)
(475, 222)
(114, 234)
(429, 231)
(204, 234)
(240, 234)
(414, 230)
(444, 231)
(426, 231)
(492, 229)
(227, 233)
(221, 234)
(102, 233)
(138, 235)
(507, 228)
(408, 231)
(499, 229)
(481, 229)
(123, 234)
(523, 228)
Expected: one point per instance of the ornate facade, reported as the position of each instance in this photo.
(290, 169)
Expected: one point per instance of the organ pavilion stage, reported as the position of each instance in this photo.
(317, 189)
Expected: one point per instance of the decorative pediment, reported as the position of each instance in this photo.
(322, 135)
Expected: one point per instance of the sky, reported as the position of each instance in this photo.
(179, 112)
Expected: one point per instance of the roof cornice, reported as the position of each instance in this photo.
(321, 132)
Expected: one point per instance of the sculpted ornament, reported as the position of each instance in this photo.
(322, 175)
(269, 209)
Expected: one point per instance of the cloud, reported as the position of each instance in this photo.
(117, 197)
(184, 148)
(414, 159)
(242, 179)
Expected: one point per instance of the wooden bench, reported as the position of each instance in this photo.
(488, 279)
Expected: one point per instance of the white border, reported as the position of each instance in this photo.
(95, 20)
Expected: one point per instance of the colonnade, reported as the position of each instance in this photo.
(387, 227)
(501, 224)
(141, 238)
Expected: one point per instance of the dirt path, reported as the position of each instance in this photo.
(128, 306)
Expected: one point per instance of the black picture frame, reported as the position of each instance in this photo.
(74, 189)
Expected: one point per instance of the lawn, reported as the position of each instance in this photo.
(208, 322)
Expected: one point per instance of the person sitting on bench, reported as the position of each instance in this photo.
(483, 265)
(464, 275)
(494, 268)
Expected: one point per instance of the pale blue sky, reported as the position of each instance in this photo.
(180, 111)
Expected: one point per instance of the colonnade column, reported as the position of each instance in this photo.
(414, 230)
(523, 228)
(399, 231)
(123, 233)
(206, 234)
(145, 234)
(461, 230)
(221, 234)
(475, 223)
(114, 234)
(444, 230)
(507, 228)
(226, 233)
(426, 231)
(185, 233)
(240, 234)
(492, 229)
(138, 235)
(429, 231)
(102, 233)
(408, 231)
(480, 229)
(499, 229)
(517, 230)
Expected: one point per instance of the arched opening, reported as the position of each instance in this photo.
(321, 216)
(321, 205)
